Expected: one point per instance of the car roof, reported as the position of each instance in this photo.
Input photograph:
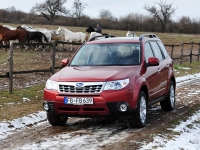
(113, 39)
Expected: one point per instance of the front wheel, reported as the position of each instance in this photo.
(169, 103)
(138, 119)
(57, 120)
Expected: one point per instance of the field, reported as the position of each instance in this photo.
(27, 95)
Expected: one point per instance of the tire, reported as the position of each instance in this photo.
(138, 119)
(169, 103)
(57, 120)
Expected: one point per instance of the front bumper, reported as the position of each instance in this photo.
(105, 104)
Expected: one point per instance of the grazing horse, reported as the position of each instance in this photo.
(70, 36)
(90, 29)
(17, 34)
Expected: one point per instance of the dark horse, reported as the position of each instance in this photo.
(18, 34)
(90, 29)
(36, 36)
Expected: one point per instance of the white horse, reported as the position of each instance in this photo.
(9, 27)
(93, 34)
(46, 32)
(69, 36)
(130, 34)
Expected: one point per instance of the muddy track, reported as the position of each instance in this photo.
(112, 133)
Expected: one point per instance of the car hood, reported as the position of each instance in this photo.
(94, 73)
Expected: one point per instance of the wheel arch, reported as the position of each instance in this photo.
(173, 80)
(145, 90)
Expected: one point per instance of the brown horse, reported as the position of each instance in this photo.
(55, 37)
(1, 38)
(18, 34)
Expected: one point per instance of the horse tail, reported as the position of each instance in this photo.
(45, 38)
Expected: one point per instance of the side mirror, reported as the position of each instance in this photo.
(153, 61)
(64, 62)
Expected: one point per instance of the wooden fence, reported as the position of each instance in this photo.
(185, 52)
(177, 52)
(10, 73)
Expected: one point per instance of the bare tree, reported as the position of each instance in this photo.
(162, 13)
(105, 14)
(185, 24)
(50, 9)
(78, 8)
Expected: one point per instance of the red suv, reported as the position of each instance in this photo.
(112, 76)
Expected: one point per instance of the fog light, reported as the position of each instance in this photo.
(123, 107)
(46, 106)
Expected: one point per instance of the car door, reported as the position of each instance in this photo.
(162, 69)
(151, 74)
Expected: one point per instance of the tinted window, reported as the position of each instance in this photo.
(163, 49)
(157, 50)
(148, 51)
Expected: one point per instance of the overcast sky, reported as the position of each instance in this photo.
(118, 8)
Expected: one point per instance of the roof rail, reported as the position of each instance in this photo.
(149, 35)
(103, 35)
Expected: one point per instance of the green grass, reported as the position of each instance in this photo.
(187, 68)
(3, 56)
(13, 106)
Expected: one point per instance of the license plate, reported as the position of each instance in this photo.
(78, 100)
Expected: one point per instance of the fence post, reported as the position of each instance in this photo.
(199, 51)
(172, 51)
(11, 68)
(53, 50)
(191, 52)
(181, 59)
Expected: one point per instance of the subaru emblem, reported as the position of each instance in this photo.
(79, 85)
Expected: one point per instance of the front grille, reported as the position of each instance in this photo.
(84, 89)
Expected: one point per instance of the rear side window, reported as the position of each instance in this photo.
(163, 49)
(148, 51)
(157, 50)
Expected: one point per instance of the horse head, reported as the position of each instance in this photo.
(60, 33)
(90, 29)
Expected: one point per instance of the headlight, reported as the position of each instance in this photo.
(51, 85)
(116, 85)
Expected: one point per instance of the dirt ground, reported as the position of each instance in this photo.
(158, 122)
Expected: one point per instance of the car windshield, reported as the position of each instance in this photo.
(107, 55)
